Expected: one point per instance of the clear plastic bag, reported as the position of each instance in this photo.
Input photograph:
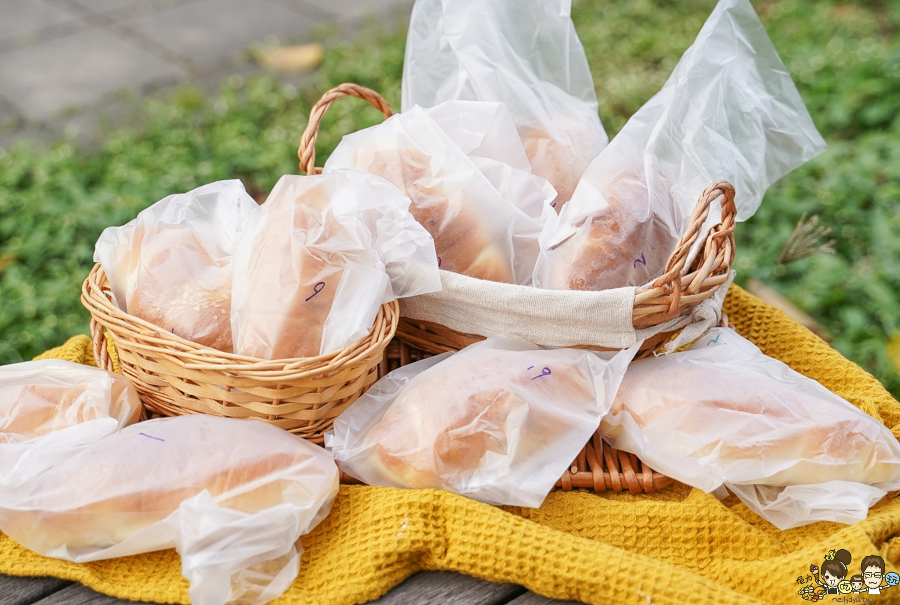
(722, 413)
(50, 409)
(728, 111)
(485, 132)
(232, 496)
(476, 231)
(498, 422)
(525, 54)
(319, 258)
(171, 265)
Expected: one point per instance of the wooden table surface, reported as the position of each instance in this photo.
(423, 588)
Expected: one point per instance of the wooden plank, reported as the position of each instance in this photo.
(530, 598)
(423, 588)
(20, 590)
(449, 588)
(78, 594)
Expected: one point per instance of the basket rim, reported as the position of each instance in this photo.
(687, 278)
(194, 356)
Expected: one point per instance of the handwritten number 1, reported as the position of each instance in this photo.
(317, 288)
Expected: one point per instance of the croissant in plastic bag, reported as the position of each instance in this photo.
(728, 111)
(51, 408)
(232, 496)
(498, 422)
(171, 265)
(525, 54)
(722, 413)
(476, 231)
(319, 258)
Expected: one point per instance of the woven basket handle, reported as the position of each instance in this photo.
(307, 150)
(717, 252)
(101, 350)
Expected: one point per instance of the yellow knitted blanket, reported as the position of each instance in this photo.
(674, 547)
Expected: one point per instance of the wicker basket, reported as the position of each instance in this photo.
(681, 286)
(175, 376)
(597, 468)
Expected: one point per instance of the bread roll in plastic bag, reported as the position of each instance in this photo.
(231, 496)
(171, 265)
(485, 132)
(476, 231)
(498, 422)
(319, 258)
(728, 111)
(51, 408)
(724, 414)
(523, 53)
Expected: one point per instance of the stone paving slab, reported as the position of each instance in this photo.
(64, 62)
(212, 31)
(79, 69)
(25, 18)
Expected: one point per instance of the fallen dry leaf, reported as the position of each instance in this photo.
(289, 59)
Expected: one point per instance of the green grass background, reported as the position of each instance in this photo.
(844, 57)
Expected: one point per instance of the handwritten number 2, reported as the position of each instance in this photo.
(640, 260)
(316, 289)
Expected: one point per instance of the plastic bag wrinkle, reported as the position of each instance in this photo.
(498, 421)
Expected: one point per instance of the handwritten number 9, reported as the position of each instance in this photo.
(316, 289)
(544, 372)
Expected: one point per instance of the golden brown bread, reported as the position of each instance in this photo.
(132, 479)
(562, 162)
(292, 276)
(613, 250)
(181, 288)
(447, 420)
(37, 405)
(461, 239)
(730, 413)
(42, 408)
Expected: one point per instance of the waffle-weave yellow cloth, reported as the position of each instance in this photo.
(675, 547)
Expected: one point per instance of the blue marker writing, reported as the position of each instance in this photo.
(712, 341)
(151, 436)
(544, 372)
(317, 288)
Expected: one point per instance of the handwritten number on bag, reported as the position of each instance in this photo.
(544, 372)
(151, 436)
(640, 260)
(439, 262)
(713, 341)
(318, 288)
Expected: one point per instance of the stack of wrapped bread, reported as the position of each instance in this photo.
(497, 170)
(300, 276)
(80, 481)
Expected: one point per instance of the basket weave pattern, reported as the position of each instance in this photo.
(175, 376)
